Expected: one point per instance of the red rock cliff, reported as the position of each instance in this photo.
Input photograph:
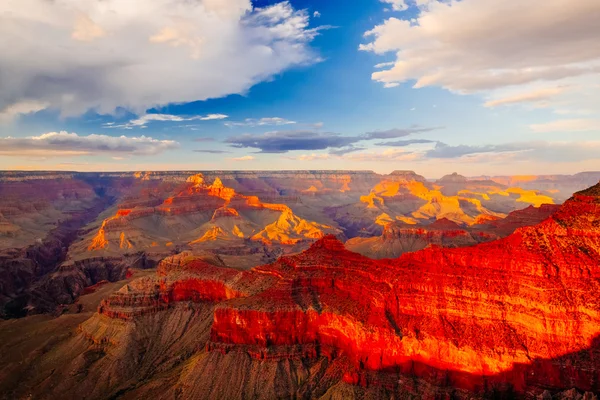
(523, 311)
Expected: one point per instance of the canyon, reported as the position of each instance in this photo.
(226, 284)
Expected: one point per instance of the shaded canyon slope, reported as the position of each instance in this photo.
(517, 317)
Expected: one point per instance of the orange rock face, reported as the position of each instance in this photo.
(201, 214)
(482, 310)
(399, 237)
(523, 311)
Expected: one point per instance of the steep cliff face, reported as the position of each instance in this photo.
(514, 317)
(32, 206)
(481, 311)
(44, 215)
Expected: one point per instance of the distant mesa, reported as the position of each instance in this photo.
(452, 178)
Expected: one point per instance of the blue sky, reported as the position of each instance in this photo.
(291, 85)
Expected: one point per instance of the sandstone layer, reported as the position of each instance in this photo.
(518, 317)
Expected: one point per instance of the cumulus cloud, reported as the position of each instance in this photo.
(568, 125)
(487, 46)
(54, 144)
(21, 108)
(261, 122)
(284, 141)
(104, 54)
(317, 14)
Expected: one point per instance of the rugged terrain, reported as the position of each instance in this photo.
(515, 317)
(62, 232)
(399, 237)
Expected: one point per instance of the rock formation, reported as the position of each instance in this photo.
(516, 317)
(198, 213)
(399, 237)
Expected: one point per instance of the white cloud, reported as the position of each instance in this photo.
(77, 55)
(211, 117)
(142, 121)
(487, 46)
(385, 64)
(244, 158)
(21, 108)
(397, 5)
(538, 97)
(56, 144)
(317, 14)
(261, 122)
(568, 125)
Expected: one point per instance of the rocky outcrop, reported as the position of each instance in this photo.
(518, 316)
(453, 310)
(399, 237)
(206, 214)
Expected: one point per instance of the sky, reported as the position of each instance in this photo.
(478, 87)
